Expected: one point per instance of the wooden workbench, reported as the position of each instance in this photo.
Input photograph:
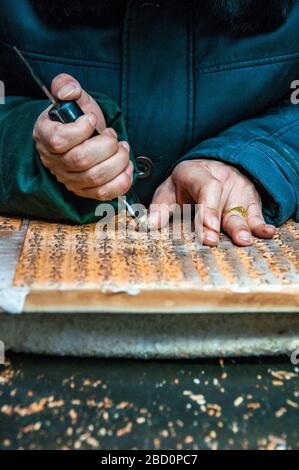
(52, 268)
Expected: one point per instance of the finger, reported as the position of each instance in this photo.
(115, 188)
(236, 226)
(59, 138)
(209, 197)
(91, 152)
(84, 156)
(210, 238)
(40, 123)
(205, 190)
(257, 223)
(162, 205)
(66, 88)
(101, 173)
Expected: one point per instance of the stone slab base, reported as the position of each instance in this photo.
(152, 336)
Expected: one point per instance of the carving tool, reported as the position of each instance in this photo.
(69, 111)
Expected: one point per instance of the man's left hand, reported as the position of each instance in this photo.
(218, 188)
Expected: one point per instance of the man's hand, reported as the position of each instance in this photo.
(97, 168)
(218, 187)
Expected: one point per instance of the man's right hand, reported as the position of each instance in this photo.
(98, 167)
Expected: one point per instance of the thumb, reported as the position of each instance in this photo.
(66, 88)
(163, 205)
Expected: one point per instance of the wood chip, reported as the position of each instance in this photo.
(292, 404)
(283, 375)
(281, 412)
(127, 429)
(238, 401)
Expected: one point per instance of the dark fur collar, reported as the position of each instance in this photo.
(242, 17)
(246, 17)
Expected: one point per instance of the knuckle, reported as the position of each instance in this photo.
(85, 125)
(211, 210)
(45, 161)
(60, 177)
(69, 161)
(111, 131)
(124, 157)
(56, 142)
(35, 134)
(39, 148)
(94, 178)
(102, 194)
(211, 186)
(182, 165)
(203, 165)
(179, 175)
(68, 186)
(124, 184)
(110, 143)
(78, 160)
(227, 172)
(81, 161)
(219, 184)
(179, 170)
(39, 123)
(40, 131)
(254, 207)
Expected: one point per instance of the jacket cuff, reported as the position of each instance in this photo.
(263, 165)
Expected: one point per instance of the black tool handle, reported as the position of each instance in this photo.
(67, 112)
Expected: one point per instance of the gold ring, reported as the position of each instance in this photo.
(241, 210)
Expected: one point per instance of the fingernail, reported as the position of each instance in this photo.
(214, 223)
(212, 237)
(125, 145)
(273, 227)
(245, 236)
(67, 90)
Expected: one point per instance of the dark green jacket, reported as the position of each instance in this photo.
(181, 79)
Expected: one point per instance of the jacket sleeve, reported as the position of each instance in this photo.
(27, 188)
(265, 148)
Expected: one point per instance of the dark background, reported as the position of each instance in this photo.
(67, 403)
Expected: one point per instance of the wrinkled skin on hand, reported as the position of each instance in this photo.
(217, 187)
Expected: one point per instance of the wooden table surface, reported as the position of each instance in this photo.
(64, 268)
